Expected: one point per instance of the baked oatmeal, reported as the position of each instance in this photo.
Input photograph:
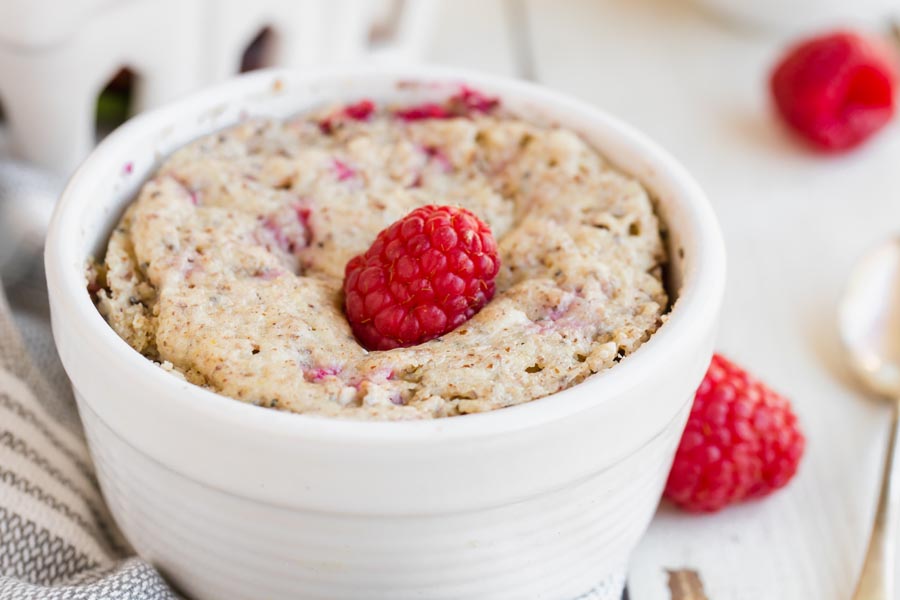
(227, 269)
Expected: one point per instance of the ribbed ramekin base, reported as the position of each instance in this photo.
(564, 544)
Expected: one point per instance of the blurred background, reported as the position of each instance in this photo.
(692, 74)
(70, 71)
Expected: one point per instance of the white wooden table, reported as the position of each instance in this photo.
(793, 224)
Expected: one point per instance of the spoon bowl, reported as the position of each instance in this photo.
(869, 318)
(27, 197)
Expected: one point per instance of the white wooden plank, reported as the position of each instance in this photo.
(793, 223)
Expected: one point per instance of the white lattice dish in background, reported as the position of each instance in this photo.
(56, 57)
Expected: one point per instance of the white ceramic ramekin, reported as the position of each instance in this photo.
(232, 501)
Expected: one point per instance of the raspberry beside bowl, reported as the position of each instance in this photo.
(545, 499)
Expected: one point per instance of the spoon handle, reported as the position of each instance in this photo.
(876, 582)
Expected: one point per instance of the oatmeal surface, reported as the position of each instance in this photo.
(227, 269)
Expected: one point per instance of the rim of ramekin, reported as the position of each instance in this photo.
(688, 319)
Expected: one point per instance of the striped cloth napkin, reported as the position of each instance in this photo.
(57, 539)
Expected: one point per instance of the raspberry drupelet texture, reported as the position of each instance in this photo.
(836, 90)
(742, 441)
(424, 275)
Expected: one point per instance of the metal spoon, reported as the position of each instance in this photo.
(869, 321)
(27, 197)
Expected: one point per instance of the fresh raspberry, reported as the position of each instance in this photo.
(836, 90)
(423, 276)
(742, 441)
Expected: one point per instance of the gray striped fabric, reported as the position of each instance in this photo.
(57, 540)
